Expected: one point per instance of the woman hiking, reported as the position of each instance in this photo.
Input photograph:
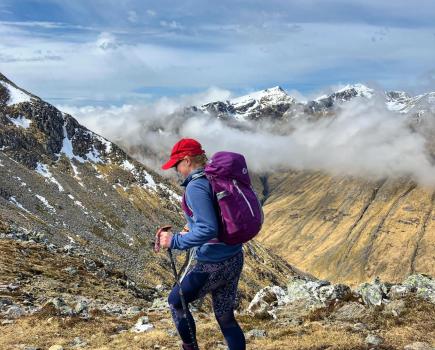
(219, 265)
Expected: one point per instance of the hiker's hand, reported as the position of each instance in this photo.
(185, 230)
(165, 239)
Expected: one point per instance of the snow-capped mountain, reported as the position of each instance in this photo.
(276, 104)
(272, 102)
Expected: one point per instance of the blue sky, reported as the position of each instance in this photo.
(89, 52)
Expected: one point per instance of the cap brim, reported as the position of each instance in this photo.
(169, 164)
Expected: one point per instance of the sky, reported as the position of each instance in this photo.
(113, 53)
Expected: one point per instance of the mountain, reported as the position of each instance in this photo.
(275, 104)
(346, 228)
(83, 193)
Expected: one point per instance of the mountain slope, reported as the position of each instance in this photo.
(348, 229)
(82, 192)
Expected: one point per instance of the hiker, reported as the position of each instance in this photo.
(218, 265)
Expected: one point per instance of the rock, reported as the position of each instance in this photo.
(5, 322)
(71, 270)
(56, 347)
(159, 304)
(60, 305)
(133, 311)
(5, 302)
(265, 300)
(350, 312)
(298, 288)
(419, 346)
(15, 311)
(255, 333)
(172, 332)
(90, 265)
(374, 340)
(81, 307)
(334, 293)
(30, 347)
(78, 343)
(294, 312)
(121, 328)
(420, 281)
(424, 285)
(399, 291)
(395, 308)
(142, 325)
(69, 249)
(372, 294)
(359, 327)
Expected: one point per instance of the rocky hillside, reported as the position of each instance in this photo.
(74, 189)
(53, 298)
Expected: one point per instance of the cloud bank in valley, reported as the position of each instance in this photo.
(363, 139)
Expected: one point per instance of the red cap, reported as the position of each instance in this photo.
(184, 147)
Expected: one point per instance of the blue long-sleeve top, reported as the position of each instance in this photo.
(204, 224)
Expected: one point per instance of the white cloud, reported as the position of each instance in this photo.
(107, 41)
(365, 139)
(151, 13)
(132, 16)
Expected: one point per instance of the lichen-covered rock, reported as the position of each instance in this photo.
(350, 312)
(265, 300)
(372, 294)
(399, 291)
(334, 293)
(299, 288)
(395, 307)
(424, 285)
(374, 340)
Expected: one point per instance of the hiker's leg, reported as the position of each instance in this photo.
(191, 286)
(231, 330)
(224, 300)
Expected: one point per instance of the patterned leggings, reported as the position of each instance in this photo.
(221, 279)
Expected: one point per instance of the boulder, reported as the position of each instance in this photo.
(374, 340)
(395, 308)
(350, 312)
(399, 291)
(372, 294)
(142, 325)
(424, 285)
(265, 300)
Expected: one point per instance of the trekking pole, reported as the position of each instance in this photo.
(177, 281)
(183, 301)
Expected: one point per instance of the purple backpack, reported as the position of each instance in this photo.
(241, 211)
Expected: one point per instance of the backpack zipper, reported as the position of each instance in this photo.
(243, 195)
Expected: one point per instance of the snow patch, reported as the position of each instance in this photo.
(45, 202)
(15, 95)
(107, 144)
(21, 122)
(127, 165)
(43, 170)
(14, 201)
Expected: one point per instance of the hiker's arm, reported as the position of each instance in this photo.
(205, 226)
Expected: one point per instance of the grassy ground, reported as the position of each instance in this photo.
(102, 331)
